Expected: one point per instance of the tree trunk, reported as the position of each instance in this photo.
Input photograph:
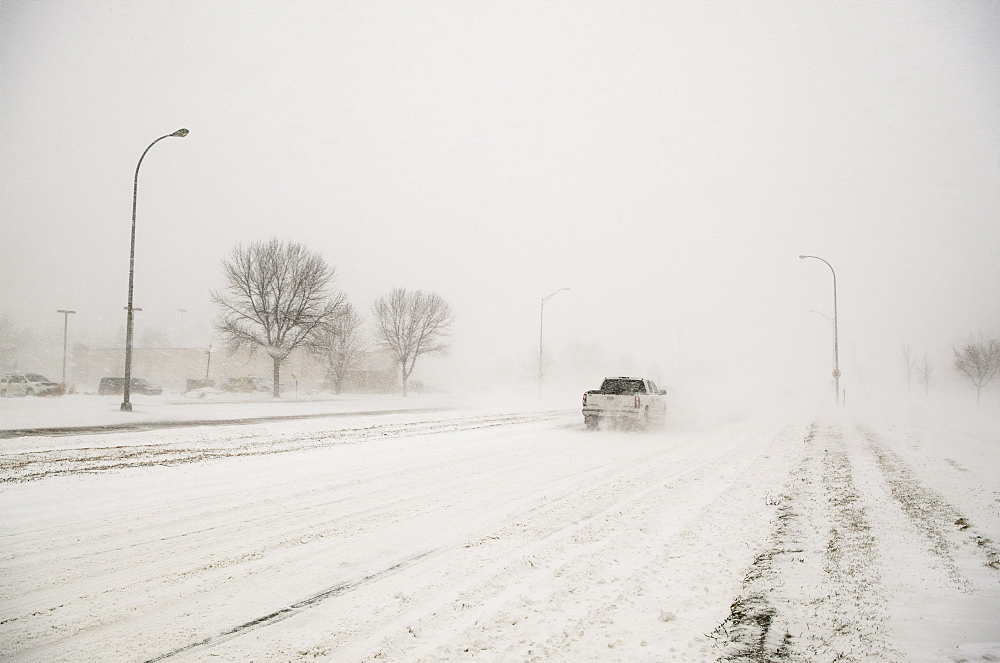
(406, 376)
(276, 389)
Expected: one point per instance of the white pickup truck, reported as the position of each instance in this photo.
(633, 401)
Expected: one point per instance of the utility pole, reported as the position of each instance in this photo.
(65, 333)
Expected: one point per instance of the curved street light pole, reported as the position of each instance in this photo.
(541, 323)
(126, 403)
(836, 351)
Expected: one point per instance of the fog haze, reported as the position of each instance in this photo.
(667, 162)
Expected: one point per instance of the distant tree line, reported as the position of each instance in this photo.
(279, 296)
(976, 359)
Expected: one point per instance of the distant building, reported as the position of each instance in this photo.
(373, 373)
(171, 368)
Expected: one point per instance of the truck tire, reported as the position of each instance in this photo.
(591, 421)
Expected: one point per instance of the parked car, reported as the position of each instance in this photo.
(28, 384)
(117, 386)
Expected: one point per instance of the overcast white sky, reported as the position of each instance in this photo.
(667, 161)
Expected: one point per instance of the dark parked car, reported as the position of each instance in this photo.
(117, 386)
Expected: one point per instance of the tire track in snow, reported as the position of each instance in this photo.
(566, 529)
(490, 606)
(35, 465)
(281, 529)
(944, 527)
(366, 511)
(524, 523)
(823, 543)
(522, 512)
(291, 610)
(185, 509)
(620, 594)
(428, 474)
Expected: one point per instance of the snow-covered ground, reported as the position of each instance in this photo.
(204, 405)
(430, 529)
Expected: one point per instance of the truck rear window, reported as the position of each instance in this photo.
(621, 386)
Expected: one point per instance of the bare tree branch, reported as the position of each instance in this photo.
(925, 374)
(979, 361)
(412, 324)
(908, 366)
(277, 296)
(337, 344)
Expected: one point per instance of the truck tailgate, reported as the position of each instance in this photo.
(611, 402)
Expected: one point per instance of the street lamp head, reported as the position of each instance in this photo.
(802, 257)
(180, 133)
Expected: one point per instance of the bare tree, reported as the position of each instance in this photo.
(979, 361)
(277, 295)
(908, 367)
(411, 324)
(337, 345)
(925, 374)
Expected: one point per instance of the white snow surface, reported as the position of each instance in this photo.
(435, 529)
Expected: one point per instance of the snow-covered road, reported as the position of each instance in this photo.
(462, 535)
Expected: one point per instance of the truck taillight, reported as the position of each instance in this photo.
(585, 400)
(638, 404)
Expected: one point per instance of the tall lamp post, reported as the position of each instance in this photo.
(126, 403)
(836, 351)
(65, 334)
(541, 327)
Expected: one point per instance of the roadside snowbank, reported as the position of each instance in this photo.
(209, 405)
